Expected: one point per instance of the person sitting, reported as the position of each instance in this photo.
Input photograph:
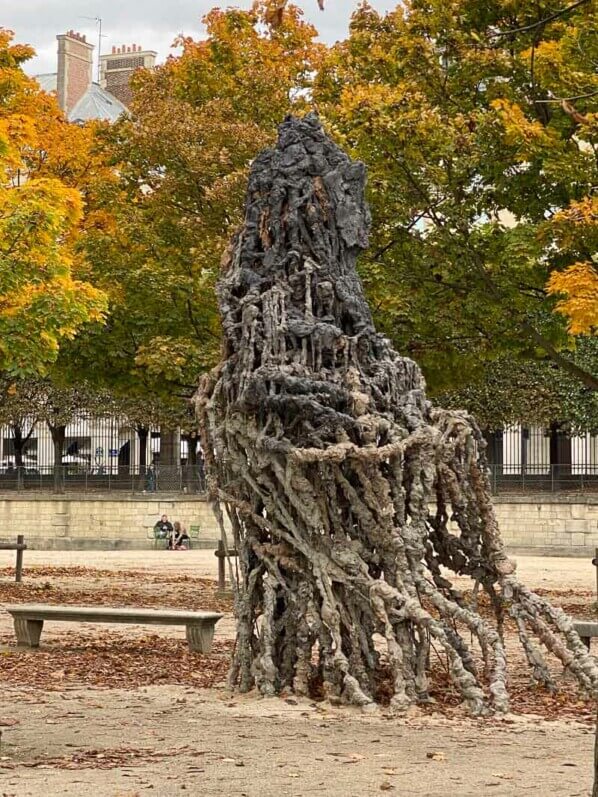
(179, 539)
(163, 528)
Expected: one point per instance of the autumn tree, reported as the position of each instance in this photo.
(44, 297)
(532, 392)
(477, 122)
(196, 123)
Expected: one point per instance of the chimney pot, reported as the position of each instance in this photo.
(113, 49)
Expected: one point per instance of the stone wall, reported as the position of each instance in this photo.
(546, 524)
(101, 522)
(557, 525)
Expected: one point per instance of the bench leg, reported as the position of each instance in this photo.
(28, 632)
(199, 637)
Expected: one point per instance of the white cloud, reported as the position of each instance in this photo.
(154, 24)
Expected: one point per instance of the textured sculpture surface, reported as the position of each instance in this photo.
(346, 489)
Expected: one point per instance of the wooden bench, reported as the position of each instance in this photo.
(586, 630)
(29, 621)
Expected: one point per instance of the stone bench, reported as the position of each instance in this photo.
(586, 630)
(29, 621)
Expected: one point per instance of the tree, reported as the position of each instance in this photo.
(42, 299)
(18, 411)
(575, 230)
(477, 124)
(59, 404)
(337, 473)
(196, 123)
(524, 391)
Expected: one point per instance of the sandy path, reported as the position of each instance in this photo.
(535, 571)
(208, 742)
(267, 748)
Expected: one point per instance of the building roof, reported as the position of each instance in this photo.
(96, 103)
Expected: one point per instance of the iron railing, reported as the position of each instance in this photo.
(82, 480)
(505, 479)
(190, 479)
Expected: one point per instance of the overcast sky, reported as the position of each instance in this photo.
(154, 24)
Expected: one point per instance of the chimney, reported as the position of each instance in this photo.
(75, 69)
(117, 68)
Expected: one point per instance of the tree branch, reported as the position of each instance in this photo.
(563, 12)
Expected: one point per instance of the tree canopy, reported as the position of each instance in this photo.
(196, 123)
(478, 129)
(44, 297)
(477, 123)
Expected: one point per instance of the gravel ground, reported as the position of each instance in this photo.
(130, 739)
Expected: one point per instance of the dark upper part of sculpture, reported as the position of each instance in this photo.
(290, 296)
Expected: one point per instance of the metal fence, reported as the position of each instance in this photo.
(543, 479)
(191, 480)
(79, 479)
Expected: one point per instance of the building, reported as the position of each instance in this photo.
(78, 95)
(117, 68)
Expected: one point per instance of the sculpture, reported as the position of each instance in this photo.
(347, 491)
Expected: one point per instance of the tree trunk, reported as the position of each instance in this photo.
(142, 434)
(58, 438)
(169, 471)
(170, 448)
(19, 441)
(343, 484)
(191, 473)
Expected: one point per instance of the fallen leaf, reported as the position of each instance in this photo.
(437, 756)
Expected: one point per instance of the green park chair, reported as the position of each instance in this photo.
(151, 535)
(194, 532)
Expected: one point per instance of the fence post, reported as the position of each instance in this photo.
(552, 467)
(220, 553)
(19, 565)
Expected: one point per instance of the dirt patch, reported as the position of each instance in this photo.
(170, 740)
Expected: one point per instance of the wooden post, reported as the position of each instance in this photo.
(19, 566)
(221, 567)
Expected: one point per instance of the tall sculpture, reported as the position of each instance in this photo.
(347, 491)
